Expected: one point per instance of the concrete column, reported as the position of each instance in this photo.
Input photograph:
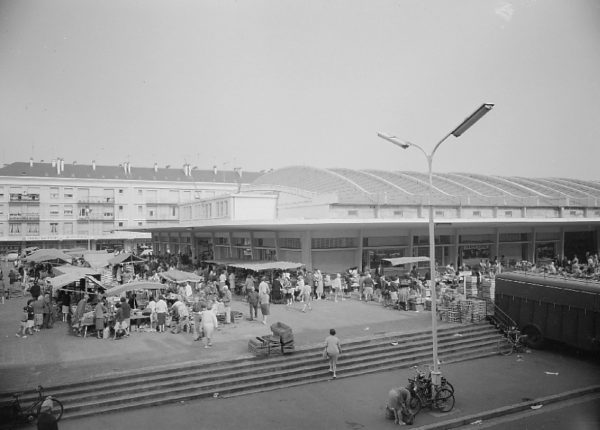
(277, 253)
(359, 250)
(306, 243)
(252, 245)
(411, 237)
(212, 244)
(533, 241)
(230, 237)
(497, 244)
(456, 248)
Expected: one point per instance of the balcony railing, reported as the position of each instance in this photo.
(97, 201)
(24, 198)
(96, 217)
(23, 217)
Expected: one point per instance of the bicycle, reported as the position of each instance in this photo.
(512, 341)
(421, 396)
(426, 375)
(51, 405)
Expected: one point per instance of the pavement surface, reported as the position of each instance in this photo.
(496, 385)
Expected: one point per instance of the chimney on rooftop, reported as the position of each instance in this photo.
(30, 161)
(62, 164)
(128, 168)
(155, 167)
(93, 164)
(53, 163)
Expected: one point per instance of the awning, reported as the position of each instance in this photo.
(180, 276)
(47, 255)
(126, 257)
(405, 260)
(259, 266)
(133, 286)
(75, 270)
(97, 259)
(63, 280)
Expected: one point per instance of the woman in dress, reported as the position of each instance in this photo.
(319, 283)
(209, 324)
(333, 350)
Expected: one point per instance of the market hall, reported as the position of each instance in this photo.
(335, 219)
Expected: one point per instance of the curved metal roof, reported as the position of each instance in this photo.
(384, 187)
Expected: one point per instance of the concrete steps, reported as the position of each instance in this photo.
(256, 374)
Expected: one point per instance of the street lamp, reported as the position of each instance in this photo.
(457, 132)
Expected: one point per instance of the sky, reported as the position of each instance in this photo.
(262, 84)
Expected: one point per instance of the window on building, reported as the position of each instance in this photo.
(140, 192)
(289, 242)
(68, 193)
(120, 191)
(68, 228)
(108, 213)
(33, 228)
(476, 213)
(173, 210)
(68, 210)
(14, 228)
(53, 227)
(399, 213)
(120, 224)
(140, 211)
(120, 208)
(439, 213)
(53, 192)
(85, 211)
(353, 212)
(508, 214)
(139, 223)
(54, 211)
(151, 213)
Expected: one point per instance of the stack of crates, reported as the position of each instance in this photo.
(479, 309)
(286, 338)
(488, 289)
(471, 286)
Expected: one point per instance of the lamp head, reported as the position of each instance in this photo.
(401, 143)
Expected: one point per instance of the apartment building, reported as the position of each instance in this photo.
(60, 205)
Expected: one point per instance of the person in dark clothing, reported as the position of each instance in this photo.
(35, 290)
(126, 315)
(46, 420)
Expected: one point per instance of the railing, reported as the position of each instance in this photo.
(24, 198)
(97, 200)
(500, 318)
(23, 217)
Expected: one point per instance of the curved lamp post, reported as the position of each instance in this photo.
(457, 132)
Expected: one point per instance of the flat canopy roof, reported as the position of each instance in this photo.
(405, 260)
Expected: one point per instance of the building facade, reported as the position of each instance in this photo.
(58, 205)
(334, 219)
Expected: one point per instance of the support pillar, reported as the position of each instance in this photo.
(306, 243)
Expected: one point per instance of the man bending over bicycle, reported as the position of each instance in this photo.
(398, 402)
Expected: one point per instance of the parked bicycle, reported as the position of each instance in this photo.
(425, 374)
(421, 395)
(18, 414)
(513, 341)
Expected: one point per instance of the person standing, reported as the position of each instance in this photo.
(196, 313)
(161, 314)
(48, 312)
(126, 315)
(333, 350)
(336, 286)
(231, 279)
(152, 307)
(319, 284)
(38, 311)
(99, 312)
(264, 299)
(209, 324)
(253, 303)
(306, 293)
(227, 303)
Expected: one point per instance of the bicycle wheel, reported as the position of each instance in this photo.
(56, 411)
(444, 400)
(446, 384)
(414, 405)
(505, 346)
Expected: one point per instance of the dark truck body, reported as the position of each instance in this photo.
(549, 307)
